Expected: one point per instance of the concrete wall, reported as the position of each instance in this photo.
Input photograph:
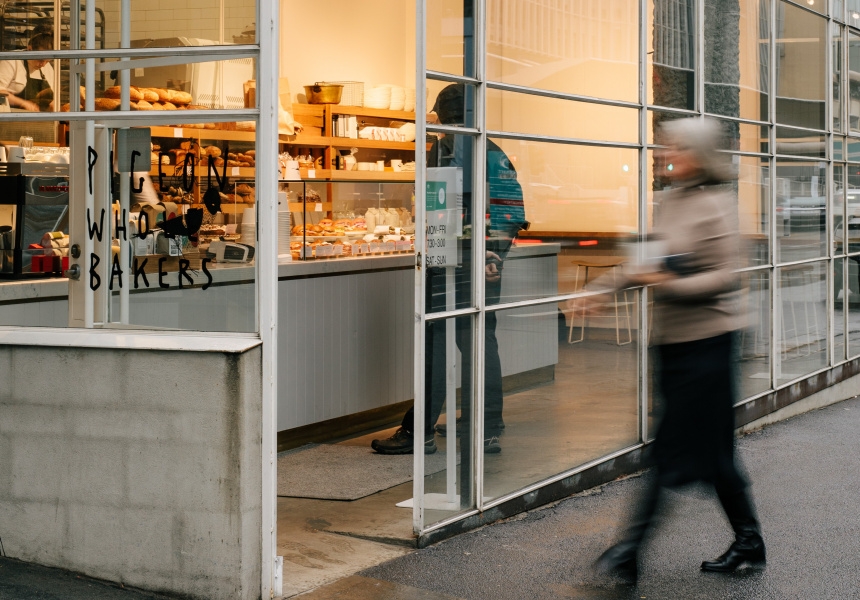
(140, 467)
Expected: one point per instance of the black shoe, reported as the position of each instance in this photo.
(442, 428)
(491, 445)
(402, 442)
(621, 561)
(750, 551)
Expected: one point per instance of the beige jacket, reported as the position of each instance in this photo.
(700, 223)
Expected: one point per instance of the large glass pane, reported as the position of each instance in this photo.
(588, 47)
(801, 204)
(838, 54)
(671, 43)
(451, 103)
(450, 35)
(754, 356)
(564, 403)
(841, 297)
(190, 23)
(448, 376)
(448, 241)
(737, 56)
(853, 83)
(753, 193)
(801, 142)
(840, 194)
(580, 202)
(853, 17)
(801, 320)
(851, 288)
(801, 80)
(537, 115)
(746, 137)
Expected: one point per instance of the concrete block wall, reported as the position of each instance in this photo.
(140, 467)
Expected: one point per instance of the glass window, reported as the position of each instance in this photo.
(841, 296)
(840, 194)
(737, 56)
(853, 17)
(538, 115)
(552, 397)
(451, 103)
(746, 137)
(853, 84)
(838, 56)
(671, 64)
(801, 320)
(801, 210)
(753, 193)
(448, 377)
(755, 352)
(800, 142)
(187, 23)
(448, 241)
(850, 289)
(450, 31)
(837, 10)
(587, 47)
(579, 201)
(800, 67)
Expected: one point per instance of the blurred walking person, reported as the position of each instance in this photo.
(695, 291)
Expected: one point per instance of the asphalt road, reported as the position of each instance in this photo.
(806, 482)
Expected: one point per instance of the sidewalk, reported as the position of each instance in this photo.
(806, 482)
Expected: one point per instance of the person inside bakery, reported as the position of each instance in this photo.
(507, 218)
(27, 83)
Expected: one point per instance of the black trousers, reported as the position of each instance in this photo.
(435, 338)
(695, 438)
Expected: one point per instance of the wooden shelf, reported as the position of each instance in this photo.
(203, 134)
(334, 175)
(394, 115)
(232, 172)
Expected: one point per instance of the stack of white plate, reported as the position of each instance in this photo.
(409, 104)
(398, 97)
(248, 228)
(284, 226)
(378, 97)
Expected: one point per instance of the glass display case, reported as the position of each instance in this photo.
(345, 219)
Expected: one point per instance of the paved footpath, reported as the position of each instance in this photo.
(806, 481)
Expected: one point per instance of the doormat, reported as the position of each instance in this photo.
(340, 472)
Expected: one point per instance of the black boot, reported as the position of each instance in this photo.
(621, 560)
(748, 546)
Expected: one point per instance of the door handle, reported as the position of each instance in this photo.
(73, 272)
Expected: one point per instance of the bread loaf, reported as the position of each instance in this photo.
(106, 104)
(168, 106)
(181, 98)
(114, 92)
(149, 94)
(144, 105)
(163, 94)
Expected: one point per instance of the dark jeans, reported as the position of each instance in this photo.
(435, 338)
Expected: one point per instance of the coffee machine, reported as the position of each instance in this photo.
(34, 200)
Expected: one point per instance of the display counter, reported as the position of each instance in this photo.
(345, 326)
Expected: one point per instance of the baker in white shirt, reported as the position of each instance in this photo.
(24, 80)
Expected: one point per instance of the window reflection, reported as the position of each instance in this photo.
(558, 395)
(580, 202)
(801, 320)
(800, 67)
(588, 47)
(450, 36)
(754, 343)
(841, 298)
(801, 210)
(670, 51)
(737, 57)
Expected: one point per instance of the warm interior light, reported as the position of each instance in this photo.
(855, 15)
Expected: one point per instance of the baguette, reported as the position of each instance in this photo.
(107, 104)
(181, 98)
(149, 94)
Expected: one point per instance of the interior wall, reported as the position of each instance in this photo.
(339, 40)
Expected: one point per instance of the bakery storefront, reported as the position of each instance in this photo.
(241, 277)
